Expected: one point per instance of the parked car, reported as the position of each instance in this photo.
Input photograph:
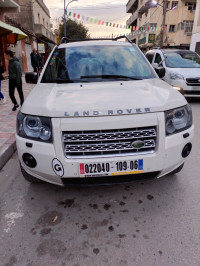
(100, 113)
(182, 69)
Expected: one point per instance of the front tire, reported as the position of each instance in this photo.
(29, 178)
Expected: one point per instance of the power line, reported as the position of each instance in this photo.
(150, 16)
(55, 18)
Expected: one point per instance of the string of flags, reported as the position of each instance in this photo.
(114, 25)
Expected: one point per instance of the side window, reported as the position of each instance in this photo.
(158, 59)
(149, 56)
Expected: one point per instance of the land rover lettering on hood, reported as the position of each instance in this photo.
(100, 114)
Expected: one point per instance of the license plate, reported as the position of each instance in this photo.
(111, 168)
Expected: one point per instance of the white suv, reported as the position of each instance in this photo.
(99, 113)
(182, 69)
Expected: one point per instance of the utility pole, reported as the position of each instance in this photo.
(64, 19)
(163, 23)
(65, 12)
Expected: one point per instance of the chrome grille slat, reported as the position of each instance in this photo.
(109, 136)
(106, 147)
(82, 144)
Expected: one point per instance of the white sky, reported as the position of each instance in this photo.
(113, 11)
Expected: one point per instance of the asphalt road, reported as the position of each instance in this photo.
(141, 224)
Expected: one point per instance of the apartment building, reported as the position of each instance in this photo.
(35, 16)
(8, 6)
(195, 40)
(147, 17)
(42, 25)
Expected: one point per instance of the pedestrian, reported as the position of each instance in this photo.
(39, 60)
(34, 61)
(2, 97)
(15, 79)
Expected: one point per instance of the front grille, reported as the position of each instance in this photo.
(193, 81)
(108, 142)
(192, 92)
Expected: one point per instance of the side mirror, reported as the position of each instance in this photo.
(155, 65)
(31, 77)
(160, 71)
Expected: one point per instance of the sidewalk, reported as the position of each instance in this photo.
(8, 122)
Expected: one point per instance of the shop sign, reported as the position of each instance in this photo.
(41, 48)
(142, 41)
(152, 38)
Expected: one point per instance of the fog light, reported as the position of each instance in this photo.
(29, 160)
(186, 150)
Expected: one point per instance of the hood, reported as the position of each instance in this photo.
(101, 98)
(186, 72)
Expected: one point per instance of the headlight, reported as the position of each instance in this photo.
(174, 75)
(177, 120)
(34, 127)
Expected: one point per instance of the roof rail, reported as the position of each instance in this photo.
(67, 40)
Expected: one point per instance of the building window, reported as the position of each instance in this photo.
(180, 26)
(172, 28)
(188, 26)
(174, 4)
(168, 4)
(38, 18)
(191, 5)
(43, 21)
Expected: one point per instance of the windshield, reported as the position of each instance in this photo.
(97, 63)
(182, 59)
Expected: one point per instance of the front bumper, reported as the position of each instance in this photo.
(165, 159)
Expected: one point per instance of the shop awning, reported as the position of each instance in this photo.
(12, 32)
(5, 29)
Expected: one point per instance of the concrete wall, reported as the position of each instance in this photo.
(196, 30)
(26, 19)
(30, 10)
(41, 16)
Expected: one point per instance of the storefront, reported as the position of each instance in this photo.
(9, 35)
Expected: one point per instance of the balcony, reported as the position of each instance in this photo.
(146, 4)
(9, 6)
(134, 17)
(131, 6)
(44, 33)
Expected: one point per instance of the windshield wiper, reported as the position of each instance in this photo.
(109, 77)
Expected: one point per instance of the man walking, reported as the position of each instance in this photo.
(34, 61)
(15, 79)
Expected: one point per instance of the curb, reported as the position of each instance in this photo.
(7, 150)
